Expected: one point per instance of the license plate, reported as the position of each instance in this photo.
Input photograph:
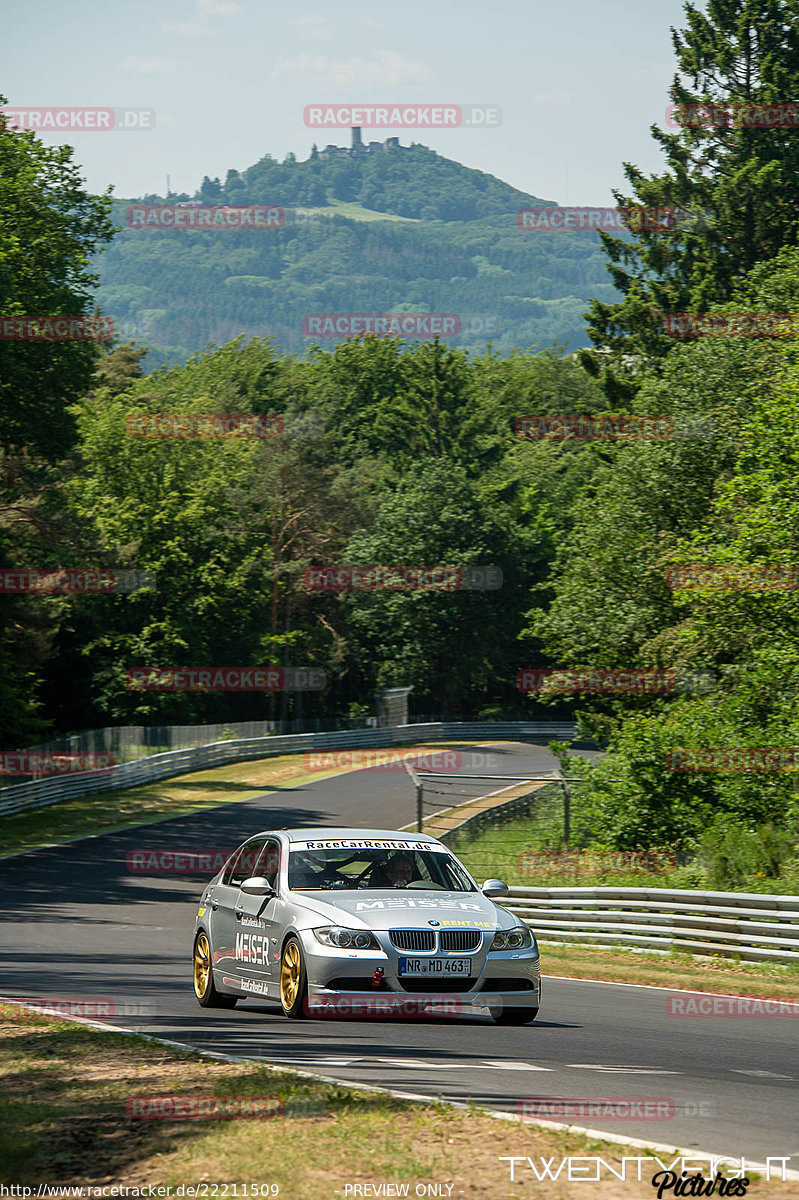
(435, 966)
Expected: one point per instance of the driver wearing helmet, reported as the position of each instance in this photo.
(396, 871)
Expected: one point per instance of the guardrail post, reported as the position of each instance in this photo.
(566, 810)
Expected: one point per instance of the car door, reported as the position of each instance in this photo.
(257, 937)
(225, 933)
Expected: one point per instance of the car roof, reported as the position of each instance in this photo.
(337, 833)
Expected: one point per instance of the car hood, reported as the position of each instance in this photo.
(386, 909)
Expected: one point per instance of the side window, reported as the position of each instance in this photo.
(231, 867)
(244, 865)
(269, 862)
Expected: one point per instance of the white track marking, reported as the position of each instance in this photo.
(619, 1070)
(760, 1074)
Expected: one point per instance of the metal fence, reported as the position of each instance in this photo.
(42, 792)
(753, 926)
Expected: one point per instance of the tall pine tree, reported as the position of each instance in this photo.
(737, 180)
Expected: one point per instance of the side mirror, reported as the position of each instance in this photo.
(258, 886)
(494, 887)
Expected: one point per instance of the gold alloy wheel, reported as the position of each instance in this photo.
(290, 975)
(202, 965)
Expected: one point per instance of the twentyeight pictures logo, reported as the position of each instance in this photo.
(78, 120)
(402, 116)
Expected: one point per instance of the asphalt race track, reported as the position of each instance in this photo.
(77, 923)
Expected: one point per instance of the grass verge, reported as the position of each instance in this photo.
(687, 971)
(65, 1119)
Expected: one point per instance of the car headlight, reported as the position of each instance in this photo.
(518, 938)
(346, 939)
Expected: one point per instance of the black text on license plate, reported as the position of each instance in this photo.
(435, 966)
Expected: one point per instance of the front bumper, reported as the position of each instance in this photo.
(507, 978)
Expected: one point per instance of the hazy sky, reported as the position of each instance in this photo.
(579, 83)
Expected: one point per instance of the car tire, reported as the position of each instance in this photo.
(204, 986)
(513, 1016)
(293, 980)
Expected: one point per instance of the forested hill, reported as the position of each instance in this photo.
(405, 181)
(398, 229)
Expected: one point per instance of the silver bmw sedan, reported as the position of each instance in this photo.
(353, 922)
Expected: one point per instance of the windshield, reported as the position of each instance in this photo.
(351, 870)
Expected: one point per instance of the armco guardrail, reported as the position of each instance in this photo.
(42, 792)
(753, 925)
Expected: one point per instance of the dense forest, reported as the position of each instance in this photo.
(408, 454)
